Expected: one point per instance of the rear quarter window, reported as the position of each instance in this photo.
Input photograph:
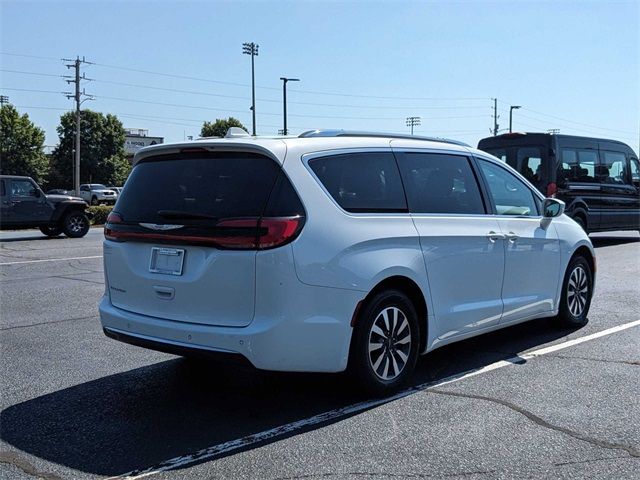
(362, 182)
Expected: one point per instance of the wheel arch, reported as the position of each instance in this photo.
(411, 289)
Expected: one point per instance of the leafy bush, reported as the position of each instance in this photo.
(100, 213)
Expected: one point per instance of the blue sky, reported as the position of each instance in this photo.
(363, 65)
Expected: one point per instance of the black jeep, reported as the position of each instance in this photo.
(24, 205)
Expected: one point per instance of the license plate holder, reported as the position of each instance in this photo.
(167, 261)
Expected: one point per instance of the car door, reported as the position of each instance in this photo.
(620, 196)
(29, 205)
(532, 251)
(462, 246)
(5, 203)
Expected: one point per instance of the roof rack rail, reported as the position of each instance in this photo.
(351, 133)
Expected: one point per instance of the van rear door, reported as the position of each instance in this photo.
(181, 242)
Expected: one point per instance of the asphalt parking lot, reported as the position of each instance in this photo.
(75, 404)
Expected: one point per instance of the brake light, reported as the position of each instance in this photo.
(279, 231)
(112, 218)
(552, 189)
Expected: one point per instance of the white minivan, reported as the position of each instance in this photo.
(334, 250)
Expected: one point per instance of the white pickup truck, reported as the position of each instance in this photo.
(96, 193)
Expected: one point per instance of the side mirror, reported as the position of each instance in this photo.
(552, 207)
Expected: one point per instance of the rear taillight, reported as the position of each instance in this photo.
(233, 234)
(552, 189)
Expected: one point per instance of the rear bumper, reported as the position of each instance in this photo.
(310, 334)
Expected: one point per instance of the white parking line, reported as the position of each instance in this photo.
(50, 260)
(244, 442)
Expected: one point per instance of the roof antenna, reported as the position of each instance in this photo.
(236, 132)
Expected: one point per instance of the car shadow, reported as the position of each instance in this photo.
(133, 420)
(609, 241)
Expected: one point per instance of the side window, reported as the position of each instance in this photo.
(438, 183)
(635, 170)
(500, 153)
(3, 191)
(510, 195)
(577, 165)
(362, 182)
(23, 188)
(613, 168)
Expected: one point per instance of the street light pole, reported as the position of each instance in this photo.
(284, 100)
(252, 49)
(511, 109)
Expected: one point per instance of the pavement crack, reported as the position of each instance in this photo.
(48, 323)
(591, 460)
(12, 458)
(386, 474)
(634, 452)
(603, 360)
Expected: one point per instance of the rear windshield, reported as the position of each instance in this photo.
(220, 185)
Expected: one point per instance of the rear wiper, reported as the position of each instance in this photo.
(185, 215)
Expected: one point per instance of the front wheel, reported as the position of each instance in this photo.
(51, 231)
(577, 290)
(76, 224)
(386, 341)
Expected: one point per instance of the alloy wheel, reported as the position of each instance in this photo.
(577, 291)
(389, 343)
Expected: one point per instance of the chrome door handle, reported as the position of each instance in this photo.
(512, 237)
(493, 236)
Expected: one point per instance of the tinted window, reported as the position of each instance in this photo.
(577, 165)
(500, 153)
(510, 195)
(530, 164)
(438, 183)
(3, 192)
(613, 168)
(635, 170)
(283, 201)
(22, 188)
(220, 185)
(362, 182)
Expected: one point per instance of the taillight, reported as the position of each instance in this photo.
(279, 231)
(112, 218)
(552, 189)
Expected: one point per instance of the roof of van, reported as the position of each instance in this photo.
(525, 135)
(277, 147)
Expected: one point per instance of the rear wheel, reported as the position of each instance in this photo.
(577, 290)
(94, 200)
(51, 231)
(386, 341)
(76, 224)
(579, 219)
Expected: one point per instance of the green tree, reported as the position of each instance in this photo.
(102, 154)
(219, 127)
(21, 146)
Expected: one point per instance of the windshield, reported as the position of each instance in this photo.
(96, 186)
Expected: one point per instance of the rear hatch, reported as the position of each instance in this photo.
(183, 237)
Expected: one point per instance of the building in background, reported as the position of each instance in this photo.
(137, 138)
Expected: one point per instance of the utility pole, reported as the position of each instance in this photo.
(77, 96)
(495, 117)
(284, 99)
(252, 49)
(511, 109)
(413, 121)
(3, 99)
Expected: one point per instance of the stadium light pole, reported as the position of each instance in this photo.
(413, 121)
(284, 100)
(252, 49)
(511, 109)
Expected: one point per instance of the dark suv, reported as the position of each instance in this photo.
(24, 205)
(598, 179)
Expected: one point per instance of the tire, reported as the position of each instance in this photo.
(75, 224)
(390, 369)
(51, 231)
(94, 200)
(577, 290)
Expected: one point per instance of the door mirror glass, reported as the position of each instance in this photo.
(553, 207)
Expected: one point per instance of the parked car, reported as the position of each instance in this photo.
(118, 190)
(334, 251)
(598, 179)
(96, 193)
(24, 205)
